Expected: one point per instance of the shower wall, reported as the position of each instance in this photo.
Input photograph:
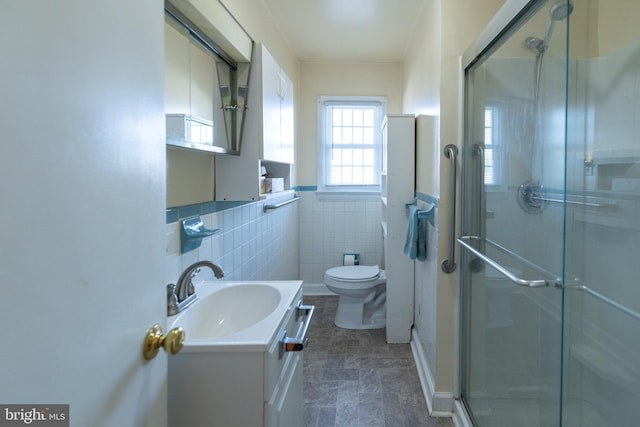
(601, 373)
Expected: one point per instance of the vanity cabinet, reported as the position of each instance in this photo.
(398, 189)
(244, 385)
(268, 134)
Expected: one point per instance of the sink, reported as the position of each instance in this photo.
(231, 315)
(231, 310)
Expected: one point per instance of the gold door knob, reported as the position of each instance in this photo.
(172, 342)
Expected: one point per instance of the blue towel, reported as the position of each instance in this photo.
(415, 245)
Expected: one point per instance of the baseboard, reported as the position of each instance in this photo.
(315, 289)
(460, 417)
(439, 404)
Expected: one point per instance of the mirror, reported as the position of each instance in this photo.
(205, 87)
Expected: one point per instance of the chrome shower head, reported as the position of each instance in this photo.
(560, 10)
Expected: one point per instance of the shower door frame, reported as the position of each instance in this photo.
(507, 19)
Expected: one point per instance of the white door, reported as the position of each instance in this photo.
(82, 199)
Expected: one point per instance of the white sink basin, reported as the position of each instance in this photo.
(232, 315)
(231, 310)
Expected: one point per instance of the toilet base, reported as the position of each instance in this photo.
(354, 313)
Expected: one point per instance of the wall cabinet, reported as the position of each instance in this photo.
(398, 189)
(268, 135)
(277, 108)
(190, 74)
(202, 102)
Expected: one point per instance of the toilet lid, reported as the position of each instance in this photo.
(354, 272)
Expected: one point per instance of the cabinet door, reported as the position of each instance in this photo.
(271, 89)
(202, 81)
(177, 98)
(286, 120)
(285, 408)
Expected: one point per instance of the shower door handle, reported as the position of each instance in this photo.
(503, 270)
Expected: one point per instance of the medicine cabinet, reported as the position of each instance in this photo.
(207, 65)
(268, 142)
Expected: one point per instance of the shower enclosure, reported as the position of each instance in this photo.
(550, 244)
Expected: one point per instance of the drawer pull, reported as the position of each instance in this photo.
(298, 343)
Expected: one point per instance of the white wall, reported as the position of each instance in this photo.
(435, 53)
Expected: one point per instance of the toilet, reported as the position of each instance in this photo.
(362, 295)
(499, 290)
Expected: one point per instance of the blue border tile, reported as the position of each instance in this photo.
(175, 214)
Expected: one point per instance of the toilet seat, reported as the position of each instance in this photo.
(354, 273)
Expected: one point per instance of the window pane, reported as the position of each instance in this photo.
(347, 117)
(358, 136)
(358, 117)
(347, 135)
(369, 158)
(336, 157)
(369, 174)
(336, 117)
(348, 157)
(357, 175)
(368, 136)
(369, 118)
(357, 157)
(337, 135)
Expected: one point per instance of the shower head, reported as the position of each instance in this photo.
(560, 10)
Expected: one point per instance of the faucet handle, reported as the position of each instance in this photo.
(190, 288)
(172, 300)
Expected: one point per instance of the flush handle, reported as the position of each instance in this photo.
(172, 342)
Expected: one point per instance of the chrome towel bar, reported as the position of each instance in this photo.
(613, 303)
(574, 202)
(266, 207)
(503, 270)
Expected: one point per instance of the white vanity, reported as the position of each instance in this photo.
(241, 365)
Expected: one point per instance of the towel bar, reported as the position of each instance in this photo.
(427, 214)
(266, 207)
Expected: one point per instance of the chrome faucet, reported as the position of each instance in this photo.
(183, 294)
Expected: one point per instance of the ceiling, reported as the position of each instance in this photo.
(347, 30)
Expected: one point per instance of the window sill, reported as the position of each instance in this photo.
(348, 194)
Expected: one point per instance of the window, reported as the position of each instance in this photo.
(492, 157)
(350, 143)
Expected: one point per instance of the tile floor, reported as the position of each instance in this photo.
(354, 378)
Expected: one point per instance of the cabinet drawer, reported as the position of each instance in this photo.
(276, 360)
(285, 408)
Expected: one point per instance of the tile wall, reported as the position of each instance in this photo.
(330, 227)
(251, 244)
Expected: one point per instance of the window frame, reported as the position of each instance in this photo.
(324, 123)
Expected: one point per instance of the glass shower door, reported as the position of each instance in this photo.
(601, 381)
(512, 248)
